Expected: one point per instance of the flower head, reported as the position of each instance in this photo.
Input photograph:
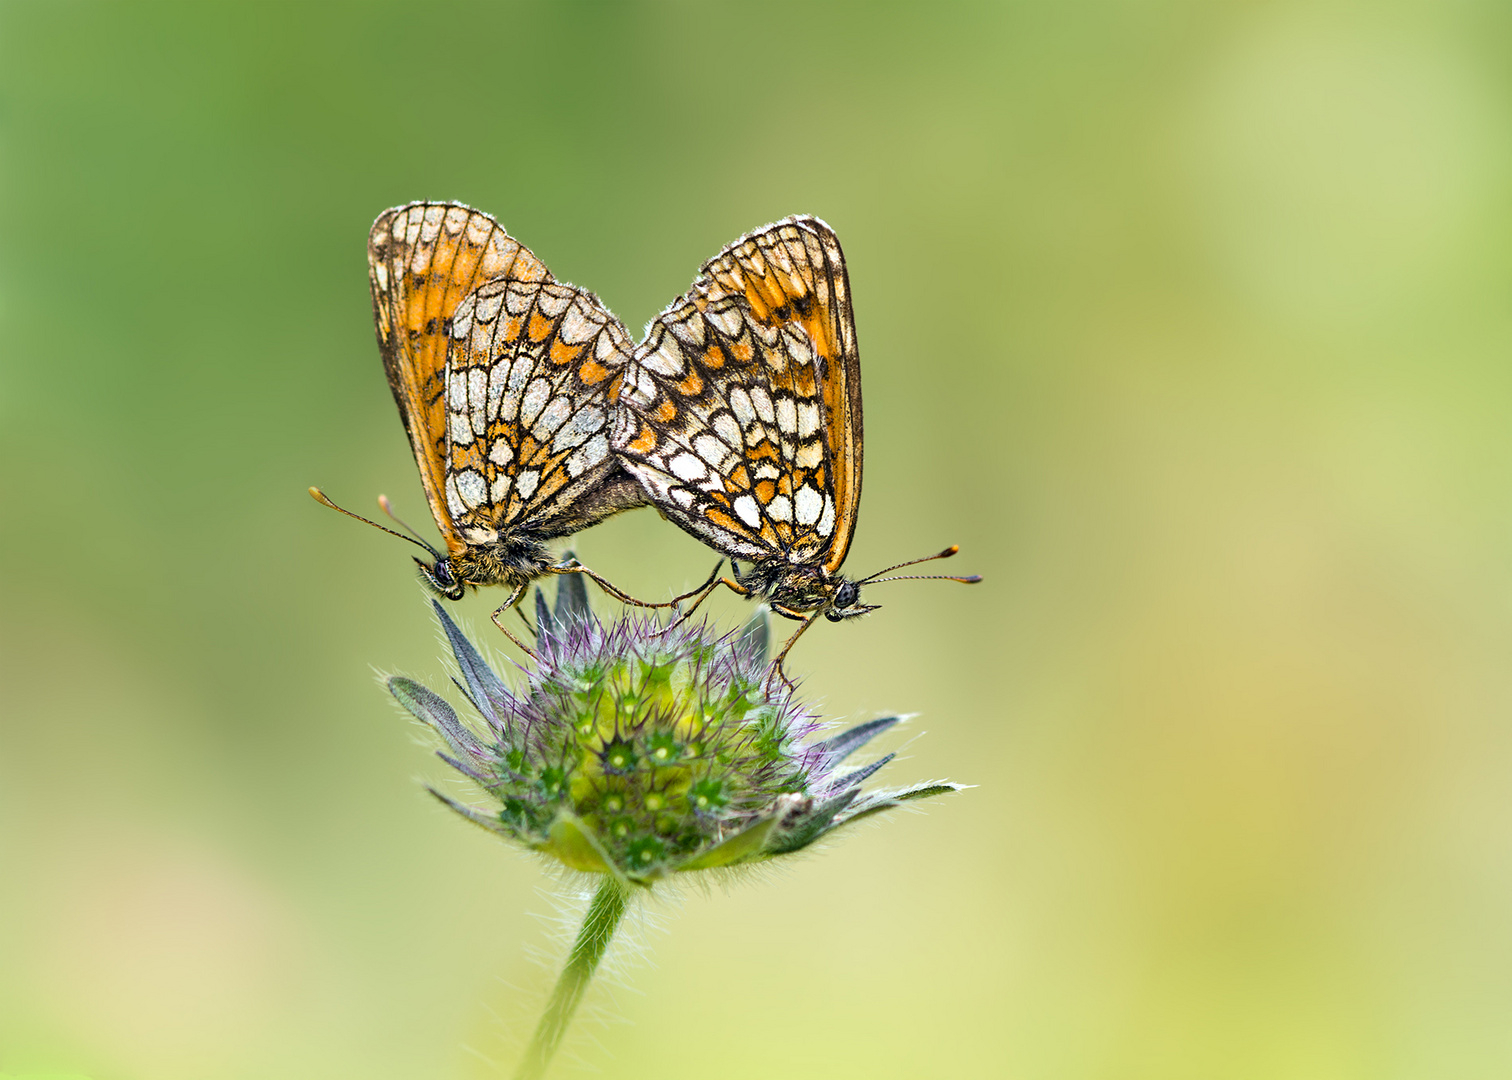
(641, 750)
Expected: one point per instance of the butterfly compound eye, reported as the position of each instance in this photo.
(440, 578)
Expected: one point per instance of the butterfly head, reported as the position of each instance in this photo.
(845, 601)
(512, 562)
(441, 579)
(798, 592)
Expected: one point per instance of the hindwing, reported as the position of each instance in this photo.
(741, 411)
(502, 376)
(529, 371)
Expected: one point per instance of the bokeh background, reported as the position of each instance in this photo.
(1189, 322)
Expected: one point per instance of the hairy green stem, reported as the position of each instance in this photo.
(603, 918)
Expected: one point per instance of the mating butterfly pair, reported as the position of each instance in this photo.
(532, 414)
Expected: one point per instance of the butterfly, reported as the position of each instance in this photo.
(506, 380)
(740, 416)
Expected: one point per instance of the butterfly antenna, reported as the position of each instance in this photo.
(383, 502)
(947, 553)
(969, 579)
(320, 497)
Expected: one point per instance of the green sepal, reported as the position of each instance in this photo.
(808, 826)
(886, 800)
(741, 847)
(477, 817)
(430, 708)
(576, 847)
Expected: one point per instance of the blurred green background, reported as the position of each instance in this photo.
(1189, 322)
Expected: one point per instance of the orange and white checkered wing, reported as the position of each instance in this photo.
(529, 372)
(741, 411)
(423, 260)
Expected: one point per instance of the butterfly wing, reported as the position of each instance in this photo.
(529, 374)
(423, 259)
(742, 408)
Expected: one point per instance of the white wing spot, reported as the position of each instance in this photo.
(740, 405)
(808, 418)
(810, 455)
(552, 418)
(827, 519)
(781, 508)
(519, 374)
(534, 401)
(690, 330)
(682, 497)
(763, 404)
(585, 457)
(477, 398)
(787, 415)
(471, 488)
(687, 467)
(498, 378)
(487, 308)
(554, 301)
(577, 327)
(726, 320)
(726, 428)
(711, 450)
(525, 482)
(500, 453)
(498, 491)
(460, 428)
(643, 390)
(584, 423)
(517, 298)
(807, 504)
(666, 360)
(478, 229)
(746, 509)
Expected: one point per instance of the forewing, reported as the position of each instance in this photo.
(529, 374)
(742, 408)
(423, 259)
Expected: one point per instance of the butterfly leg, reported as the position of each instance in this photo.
(776, 669)
(704, 591)
(503, 609)
(575, 567)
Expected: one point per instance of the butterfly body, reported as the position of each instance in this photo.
(799, 590)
